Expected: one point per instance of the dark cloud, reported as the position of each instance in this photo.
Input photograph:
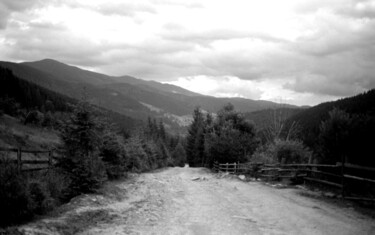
(124, 9)
(7, 7)
(46, 40)
(331, 55)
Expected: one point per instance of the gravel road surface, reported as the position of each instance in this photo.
(196, 201)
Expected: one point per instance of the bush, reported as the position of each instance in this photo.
(15, 203)
(264, 154)
(38, 196)
(22, 197)
(282, 151)
(291, 151)
(179, 155)
(56, 184)
(113, 154)
(9, 106)
(34, 117)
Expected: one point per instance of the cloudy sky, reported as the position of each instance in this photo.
(299, 52)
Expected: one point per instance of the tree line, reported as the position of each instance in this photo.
(325, 134)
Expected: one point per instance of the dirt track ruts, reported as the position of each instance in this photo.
(168, 201)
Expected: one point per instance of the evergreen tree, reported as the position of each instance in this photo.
(334, 136)
(229, 138)
(179, 155)
(195, 139)
(81, 162)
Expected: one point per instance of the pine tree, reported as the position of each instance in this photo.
(195, 139)
(81, 162)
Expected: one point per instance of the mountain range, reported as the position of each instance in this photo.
(133, 97)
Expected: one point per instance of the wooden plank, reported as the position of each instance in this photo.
(323, 173)
(270, 169)
(34, 151)
(309, 165)
(34, 169)
(35, 162)
(323, 182)
(348, 165)
(8, 149)
(360, 199)
(14, 161)
(289, 170)
(359, 178)
(24, 150)
(261, 175)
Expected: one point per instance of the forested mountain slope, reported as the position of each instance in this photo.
(127, 95)
(351, 124)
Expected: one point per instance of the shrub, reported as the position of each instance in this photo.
(179, 155)
(291, 151)
(34, 117)
(282, 151)
(264, 154)
(113, 154)
(14, 198)
(38, 196)
(56, 184)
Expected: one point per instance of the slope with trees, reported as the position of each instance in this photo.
(343, 127)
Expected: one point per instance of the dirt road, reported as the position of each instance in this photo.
(169, 201)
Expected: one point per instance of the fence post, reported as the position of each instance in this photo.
(50, 155)
(226, 167)
(19, 160)
(342, 175)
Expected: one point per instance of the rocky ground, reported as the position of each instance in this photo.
(196, 201)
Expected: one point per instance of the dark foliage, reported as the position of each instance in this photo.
(349, 133)
(14, 198)
(81, 137)
(195, 139)
(29, 95)
(227, 138)
(179, 155)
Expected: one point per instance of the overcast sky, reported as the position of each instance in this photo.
(294, 51)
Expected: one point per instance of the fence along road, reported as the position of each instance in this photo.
(39, 164)
(338, 176)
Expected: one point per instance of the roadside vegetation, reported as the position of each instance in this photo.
(93, 149)
(324, 134)
(97, 145)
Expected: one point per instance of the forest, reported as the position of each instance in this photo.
(98, 145)
(321, 134)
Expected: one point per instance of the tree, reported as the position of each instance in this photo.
(179, 155)
(334, 136)
(113, 155)
(82, 139)
(195, 139)
(232, 138)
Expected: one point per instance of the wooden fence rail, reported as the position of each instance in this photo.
(48, 162)
(331, 175)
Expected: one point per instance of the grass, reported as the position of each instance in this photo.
(13, 133)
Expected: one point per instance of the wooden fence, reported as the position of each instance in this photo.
(340, 176)
(31, 164)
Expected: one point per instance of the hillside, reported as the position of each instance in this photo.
(128, 95)
(23, 99)
(262, 118)
(360, 130)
